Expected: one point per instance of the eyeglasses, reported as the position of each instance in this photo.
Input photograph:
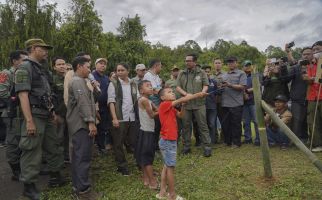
(188, 60)
(142, 70)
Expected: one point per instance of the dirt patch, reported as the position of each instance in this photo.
(264, 182)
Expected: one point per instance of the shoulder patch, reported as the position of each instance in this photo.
(3, 77)
(21, 76)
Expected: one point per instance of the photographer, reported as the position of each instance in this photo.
(298, 93)
(314, 98)
(275, 79)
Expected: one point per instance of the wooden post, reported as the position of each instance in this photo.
(292, 136)
(261, 125)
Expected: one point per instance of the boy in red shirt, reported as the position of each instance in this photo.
(169, 135)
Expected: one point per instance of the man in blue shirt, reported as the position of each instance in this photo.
(211, 107)
(102, 127)
(249, 107)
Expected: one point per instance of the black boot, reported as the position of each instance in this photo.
(15, 168)
(31, 191)
(56, 180)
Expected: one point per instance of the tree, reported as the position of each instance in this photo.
(21, 20)
(131, 35)
(222, 47)
(245, 52)
(82, 31)
(274, 52)
(132, 29)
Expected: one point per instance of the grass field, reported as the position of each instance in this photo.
(228, 174)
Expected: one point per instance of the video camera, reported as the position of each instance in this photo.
(290, 45)
(304, 62)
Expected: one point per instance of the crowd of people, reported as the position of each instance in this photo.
(57, 116)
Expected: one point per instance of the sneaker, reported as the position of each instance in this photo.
(207, 152)
(67, 161)
(284, 147)
(248, 142)
(56, 180)
(123, 171)
(87, 194)
(186, 151)
(317, 149)
(102, 152)
(234, 146)
(2, 144)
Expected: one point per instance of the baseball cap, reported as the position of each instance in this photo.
(281, 97)
(100, 59)
(247, 62)
(175, 68)
(37, 42)
(140, 67)
(231, 59)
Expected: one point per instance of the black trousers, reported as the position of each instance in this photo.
(126, 135)
(81, 159)
(299, 122)
(102, 128)
(231, 124)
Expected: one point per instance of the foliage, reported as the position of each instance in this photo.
(24, 19)
(274, 52)
(80, 29)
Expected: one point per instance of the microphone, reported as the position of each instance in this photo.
(92, 80)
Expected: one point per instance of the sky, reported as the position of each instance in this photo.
(260, 22)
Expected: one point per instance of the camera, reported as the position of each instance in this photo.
(284, 59)
(290, 45)
(304, 62)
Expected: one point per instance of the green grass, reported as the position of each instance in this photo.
(228, 174)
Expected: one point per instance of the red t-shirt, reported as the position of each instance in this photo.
(167, 115)
(313, 89)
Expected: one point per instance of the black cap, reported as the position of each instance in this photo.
(231, 59)
(281, 97)
(318, 43)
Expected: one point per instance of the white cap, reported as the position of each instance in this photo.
(140, 67)
(100, 59)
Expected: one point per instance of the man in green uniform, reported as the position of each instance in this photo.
(172, 83)
(60, 69)
(38, 130)
(191, 81)
(10, 114)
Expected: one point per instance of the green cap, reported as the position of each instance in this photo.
(37, 43)
(175, 68)
(247, 62)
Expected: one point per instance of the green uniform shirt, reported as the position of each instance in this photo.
(192, 81)
(31, 77)
(171, 83)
